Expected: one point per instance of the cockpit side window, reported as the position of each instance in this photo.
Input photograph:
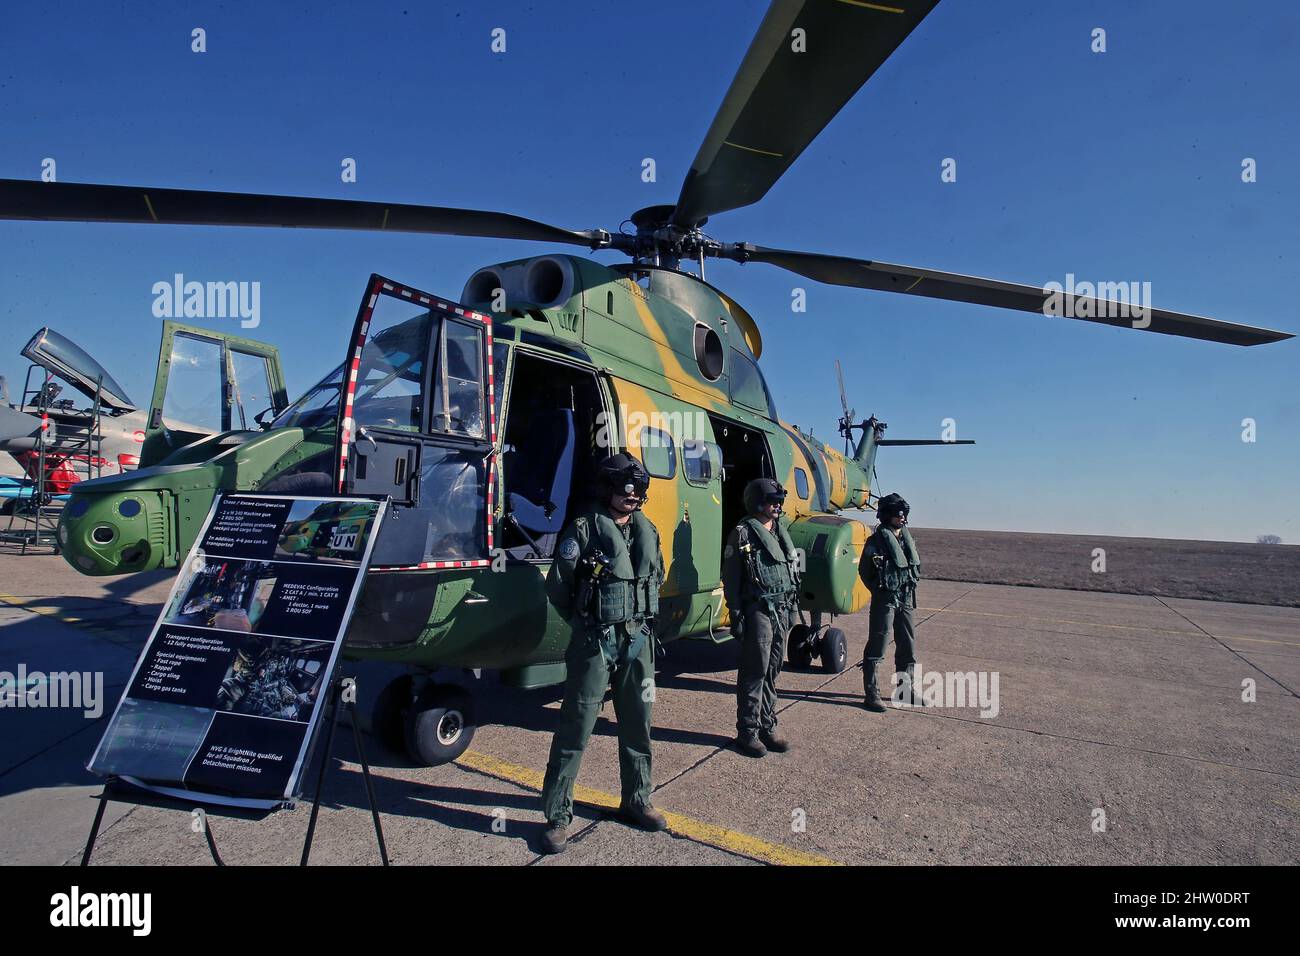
(458, 381)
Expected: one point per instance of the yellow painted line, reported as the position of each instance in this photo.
(914, 284)
(384, 224)
(33, 607)
(150, 206)
(1258, 640)
(724, 839)
(750, 149)
(873, 6)
(1124, 627)
(27, 605)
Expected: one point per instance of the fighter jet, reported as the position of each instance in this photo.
(75, 413)
(58, 411)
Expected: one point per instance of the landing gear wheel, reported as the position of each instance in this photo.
(797, 650)
(387, 713)
(834, 650)
(440, 725)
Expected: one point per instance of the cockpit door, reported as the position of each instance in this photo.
(416, 424)
(208, 382)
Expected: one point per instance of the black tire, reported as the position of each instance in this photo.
(440, 725)
(797, 649)
(388, 715)
(834, 650)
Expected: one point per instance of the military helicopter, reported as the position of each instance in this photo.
(481, 417)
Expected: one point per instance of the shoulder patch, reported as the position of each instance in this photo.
(568, 549)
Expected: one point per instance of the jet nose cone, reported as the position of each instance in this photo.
(15, 424)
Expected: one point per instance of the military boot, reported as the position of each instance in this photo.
(644, 816)
(555, 838)
(777, 745)
(749, 744)
(873, 702)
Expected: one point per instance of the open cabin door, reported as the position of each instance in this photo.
(417, 425)
(208, 382)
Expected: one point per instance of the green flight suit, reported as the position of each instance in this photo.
(890, 568)
(607, 643)
(763, 601)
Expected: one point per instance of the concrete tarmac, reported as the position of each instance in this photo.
(1125, 729)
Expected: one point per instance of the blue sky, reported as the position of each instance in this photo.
(1120, 166)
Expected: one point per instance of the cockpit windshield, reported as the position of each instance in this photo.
(66, 359)
(392, 378)
(320, 406)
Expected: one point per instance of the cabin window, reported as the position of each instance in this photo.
(801, 483)
(701, 461)
(658, 453)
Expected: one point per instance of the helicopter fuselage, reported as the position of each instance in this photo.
(585, 360)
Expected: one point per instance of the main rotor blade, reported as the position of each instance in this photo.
(784, 95)
(84, 202)
(865, 274)
(910, 442)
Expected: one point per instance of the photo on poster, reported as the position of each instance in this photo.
(327, 531)
(275, 678)
(151, 740)
(225, 593)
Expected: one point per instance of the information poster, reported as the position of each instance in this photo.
(227, 695)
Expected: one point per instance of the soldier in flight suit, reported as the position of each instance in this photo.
(890, 568)
(760, 581)
(605, 581)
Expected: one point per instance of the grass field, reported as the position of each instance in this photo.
(1210, 570)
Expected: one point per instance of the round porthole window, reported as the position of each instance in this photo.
(709, 353)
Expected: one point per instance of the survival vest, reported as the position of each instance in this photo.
(630, 590)
(901, 569)
(772, 576)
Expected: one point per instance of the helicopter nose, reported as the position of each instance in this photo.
(15, 425)
(114, 533)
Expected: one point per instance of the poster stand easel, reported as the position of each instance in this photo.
(121, 791)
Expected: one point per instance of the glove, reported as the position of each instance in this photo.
(737, 624)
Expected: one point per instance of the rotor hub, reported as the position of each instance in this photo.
(659, 242)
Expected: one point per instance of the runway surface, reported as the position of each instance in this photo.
(1126, 731)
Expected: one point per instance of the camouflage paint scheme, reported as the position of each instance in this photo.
(640, 343)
